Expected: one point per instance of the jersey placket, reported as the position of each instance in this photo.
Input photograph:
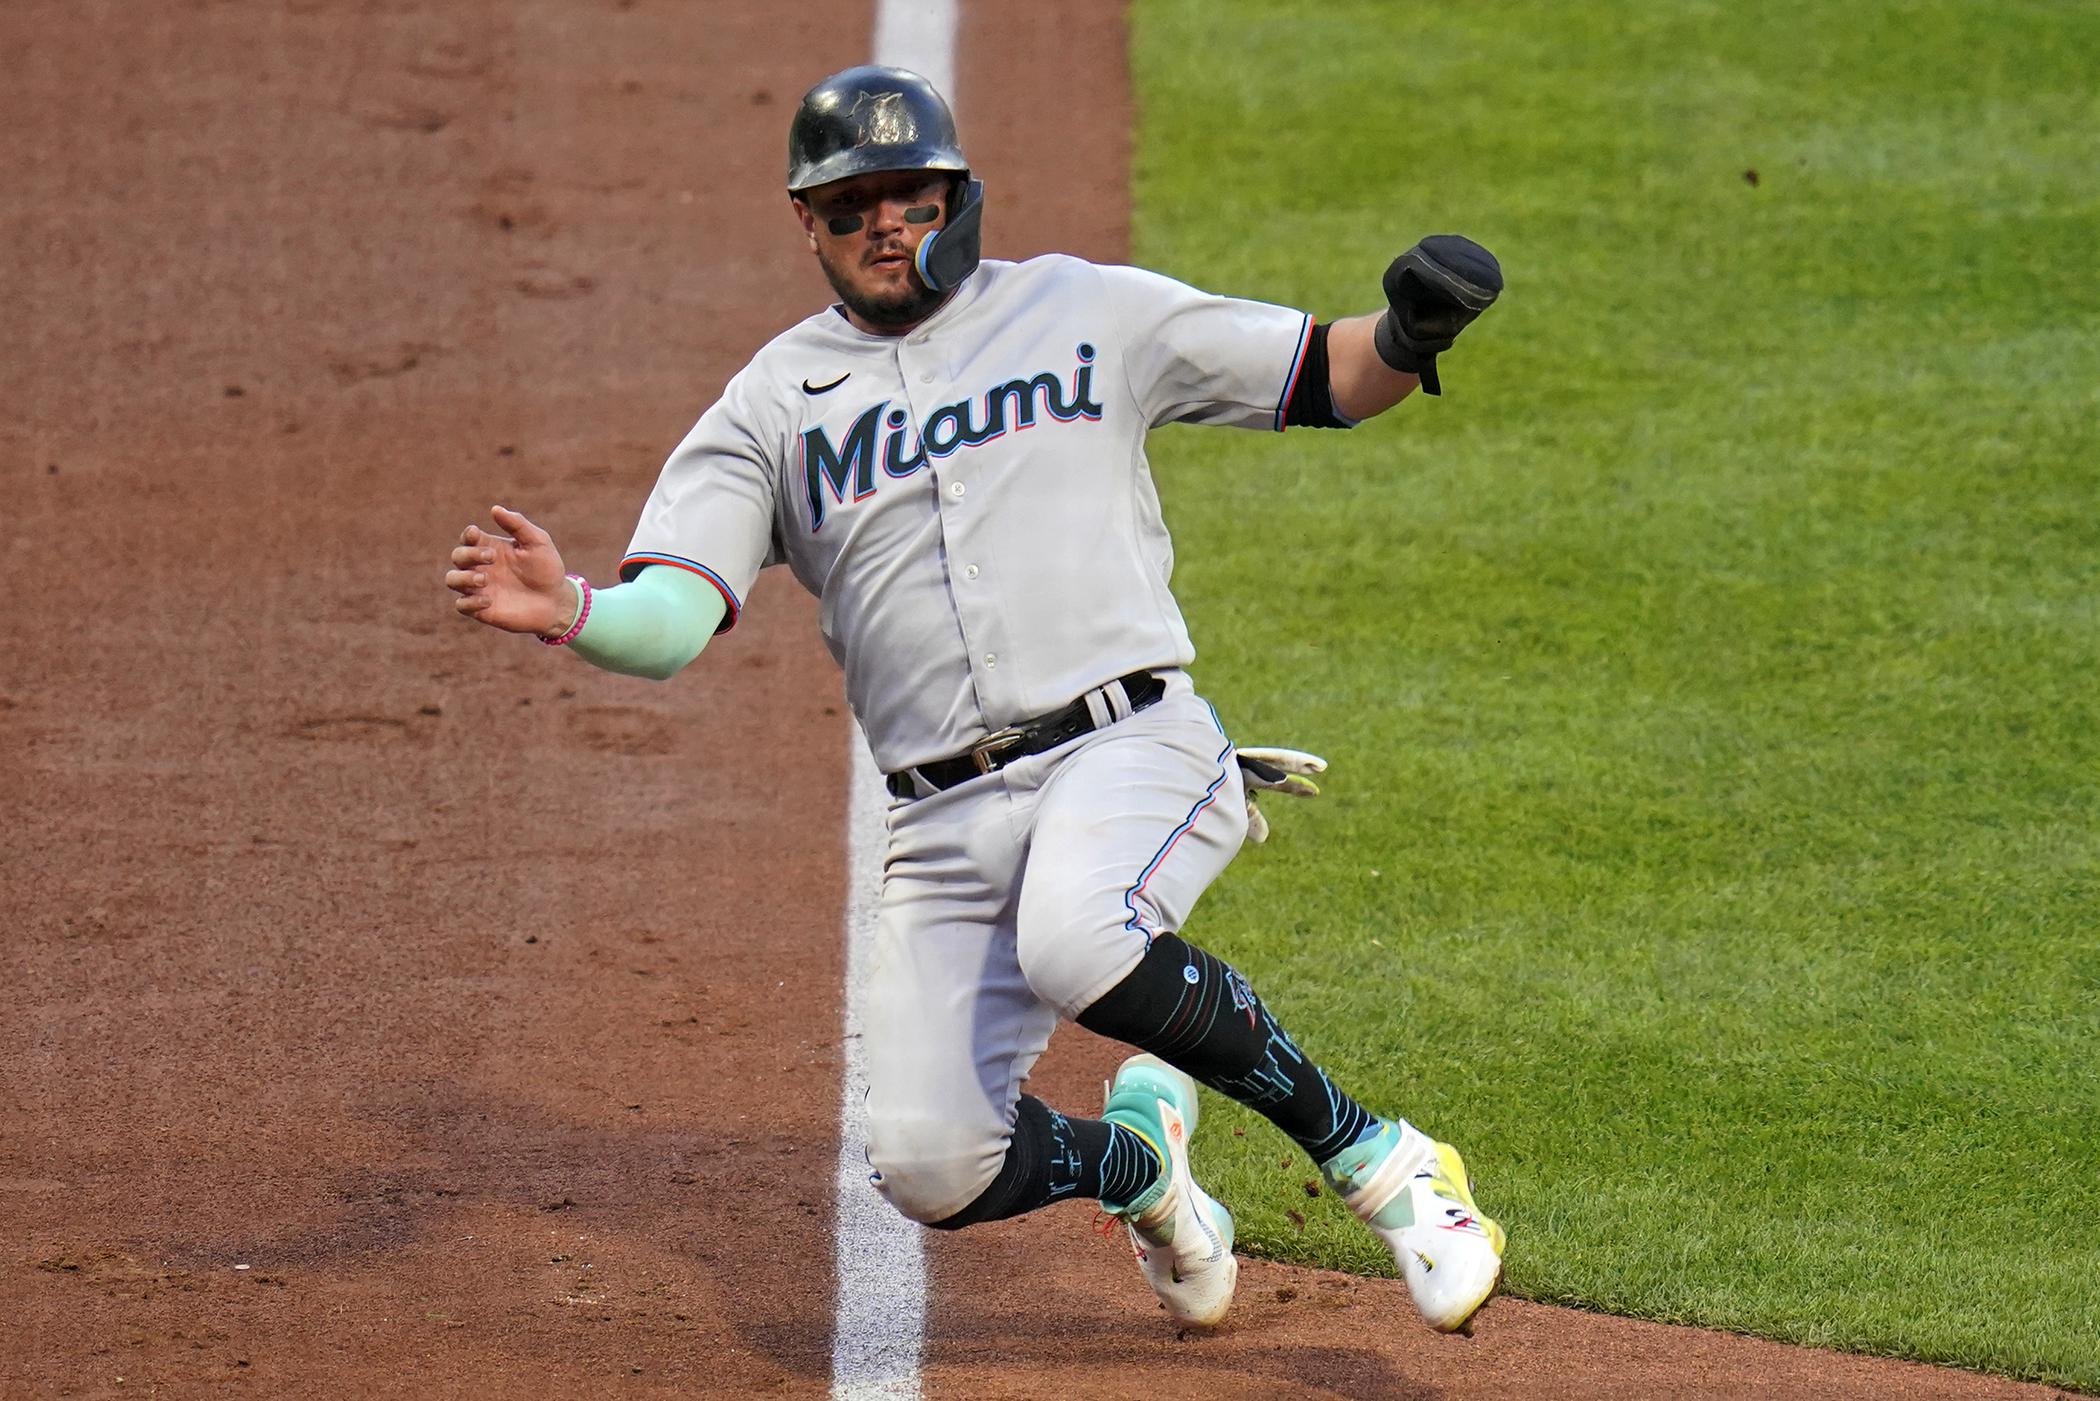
(962, 503)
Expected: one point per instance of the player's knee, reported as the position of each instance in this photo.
(930, 1169)
(1073, 946)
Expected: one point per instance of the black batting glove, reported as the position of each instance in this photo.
(1435, 290)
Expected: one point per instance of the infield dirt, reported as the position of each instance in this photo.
(394, 1009)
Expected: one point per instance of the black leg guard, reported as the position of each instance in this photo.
(1052, 1158)
(1194, 1012)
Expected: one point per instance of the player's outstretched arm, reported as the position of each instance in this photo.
(652, 627)
(1433, 291)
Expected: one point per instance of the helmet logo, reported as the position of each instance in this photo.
(882, 119)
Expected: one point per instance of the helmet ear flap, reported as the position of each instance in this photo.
(950, 253)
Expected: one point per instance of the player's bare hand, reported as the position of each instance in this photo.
(514, 582)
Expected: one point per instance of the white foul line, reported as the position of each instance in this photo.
(881, 1260)
(881, 1265)
(919, 35)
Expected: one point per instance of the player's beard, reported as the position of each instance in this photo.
(906, 308)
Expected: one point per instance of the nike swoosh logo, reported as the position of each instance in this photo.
(808, 388)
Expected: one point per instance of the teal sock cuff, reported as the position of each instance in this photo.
(1134, 1172)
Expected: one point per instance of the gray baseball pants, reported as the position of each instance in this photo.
(1014, 899)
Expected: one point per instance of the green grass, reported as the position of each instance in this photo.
(1710, 677)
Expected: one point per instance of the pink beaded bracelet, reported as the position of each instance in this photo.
(583, 591)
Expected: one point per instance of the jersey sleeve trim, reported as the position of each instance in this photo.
(635, 563)
(1290, 380)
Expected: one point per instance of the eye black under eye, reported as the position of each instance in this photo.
(843, 224)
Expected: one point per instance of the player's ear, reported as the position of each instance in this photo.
(807, 220)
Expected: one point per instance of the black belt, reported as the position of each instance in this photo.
(1000, 748)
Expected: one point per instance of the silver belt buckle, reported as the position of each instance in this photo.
(991, 747)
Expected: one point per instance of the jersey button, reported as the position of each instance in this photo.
(955, 488)
(925, 376)
(991, 659)
(971, 572)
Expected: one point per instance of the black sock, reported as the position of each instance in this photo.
(1195, 1013)
(1053, 1158)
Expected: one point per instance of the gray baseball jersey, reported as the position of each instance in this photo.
(971, 502)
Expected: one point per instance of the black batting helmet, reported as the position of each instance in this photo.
(867, 119)
(872, 118)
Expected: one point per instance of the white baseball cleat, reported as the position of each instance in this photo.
(1413, 1193)
(1181, 1236)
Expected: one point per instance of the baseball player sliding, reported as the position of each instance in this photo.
(952, 459)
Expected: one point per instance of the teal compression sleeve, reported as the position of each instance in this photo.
(653, 626)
